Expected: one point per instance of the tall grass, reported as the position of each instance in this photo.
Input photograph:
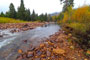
(10, 20)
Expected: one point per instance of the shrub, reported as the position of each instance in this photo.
(78, 27)
(79, 21)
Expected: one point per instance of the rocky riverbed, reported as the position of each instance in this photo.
(10, 44)
(47, 42)
(20, 26)
(57, 47)
(11, 28)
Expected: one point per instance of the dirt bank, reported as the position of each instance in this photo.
(58, 47)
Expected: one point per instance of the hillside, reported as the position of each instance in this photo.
(54, 14)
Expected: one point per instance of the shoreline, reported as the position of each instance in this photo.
(25, 38)
(55, 48)
(20, 26)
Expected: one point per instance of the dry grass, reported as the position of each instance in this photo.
(10, 20)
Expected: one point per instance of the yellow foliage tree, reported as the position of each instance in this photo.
(68, 14)
(81, 15)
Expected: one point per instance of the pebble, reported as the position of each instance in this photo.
(30, 54)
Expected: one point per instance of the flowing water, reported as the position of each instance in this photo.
(11, 42)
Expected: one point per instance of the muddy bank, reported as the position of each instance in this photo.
(57, 47)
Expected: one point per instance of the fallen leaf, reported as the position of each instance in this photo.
(85, 59)
(20, 51)
(88, 52)
(59, 51)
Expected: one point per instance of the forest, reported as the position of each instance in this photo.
(25, 14)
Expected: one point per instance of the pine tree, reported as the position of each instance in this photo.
(37, 17)
(46, 17)
(41, 17)
(27, 15)
(33, 16)
(21, 11)
(12, 12)
(2, 14)
(7, 14)
(49, 18)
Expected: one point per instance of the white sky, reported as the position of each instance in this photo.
(40, 6)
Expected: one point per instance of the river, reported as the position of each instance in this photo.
(11, 42)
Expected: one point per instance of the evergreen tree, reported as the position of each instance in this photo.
(27, 15)
(41, 17)
(7, 14)
(36, 17)
(46, 17)
(21, 11)
(49, 18)
(33, 16)
(2, 14)
(12, 12)
(67, 3)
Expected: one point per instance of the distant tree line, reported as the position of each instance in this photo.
(24, 14)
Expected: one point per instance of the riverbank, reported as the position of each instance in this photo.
(77, 23)
(18, 27)
(58, 47)
(21, 26)
(23, 40)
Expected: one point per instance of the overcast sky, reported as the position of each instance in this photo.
(40, 6)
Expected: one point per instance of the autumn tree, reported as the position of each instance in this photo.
(60, 16)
